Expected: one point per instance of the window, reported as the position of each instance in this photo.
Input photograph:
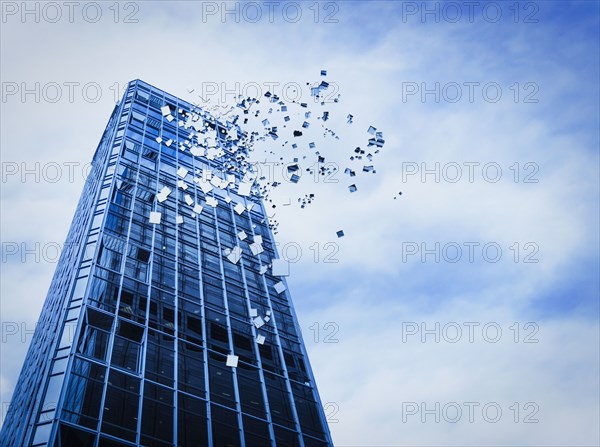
(127, 346)
(192, 422)
(121, 406)
(157, 416)
(73, 436)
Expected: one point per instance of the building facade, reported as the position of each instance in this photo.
(168, 321)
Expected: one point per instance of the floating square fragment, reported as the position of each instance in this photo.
(232, 361)
(253, 312)
(280, 287)
(242, 235)
(155, 217)
(235, 254)
(280, 267)
(260, 339)
(258, 322)
(352, 188)
(182, 172)
(163, 194)
(244, 189)
(256, 249)
(340, 233)
(178, 219)
(197, 209)
(239, 208)
(211, 201)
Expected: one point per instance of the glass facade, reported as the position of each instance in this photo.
(154, 332)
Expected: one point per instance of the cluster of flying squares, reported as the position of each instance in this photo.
(297, 116)
(231, 149)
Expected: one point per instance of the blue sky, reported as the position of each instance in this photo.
(372, 53)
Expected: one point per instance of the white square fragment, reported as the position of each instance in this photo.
(166, 110)
(216, 182)
(250, 206)
(155, 217)
(242, 235)
(263, 269)
(280, 267)
(188, 199)
(260, 339)
(279, 287)
(163, 194)
(182, 172)
(267, 319)
(197, 209)
(232, 360)
(181, 184)
(253, 312)
(239, 208)
(256, 249)
(258, 239)
(206, 187)
(258, 322)
(158, 140)
(211, 201)
(244, 188)
(268, 313)
(227, 199)
(178, 219)
(235, 254)
(169, 142)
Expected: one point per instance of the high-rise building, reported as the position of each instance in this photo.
(168, 321)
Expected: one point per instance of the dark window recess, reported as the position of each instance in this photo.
(193, 426)
(143, 255)
(110, 443)
(150, 154)
(75, 437)
(224, 427)
(218, 333)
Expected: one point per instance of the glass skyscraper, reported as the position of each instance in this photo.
(168, 321)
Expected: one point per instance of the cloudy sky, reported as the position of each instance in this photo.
(464, 311)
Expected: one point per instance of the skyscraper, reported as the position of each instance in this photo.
(168, 321)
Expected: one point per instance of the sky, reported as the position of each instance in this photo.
(464, 311)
